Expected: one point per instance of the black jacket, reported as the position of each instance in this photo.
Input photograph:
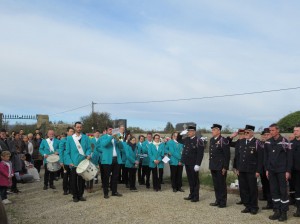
(193, 150)
(249, 157)
(296, 154)
(278, 155)
(219, 153)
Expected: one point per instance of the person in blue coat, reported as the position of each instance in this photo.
(146, 171)
(48, 147)
(110, 161)
(156, 154)
(123, 172)
(78, 148)
(141, 177)
(174, 150)
(132, 161)
(63, 162)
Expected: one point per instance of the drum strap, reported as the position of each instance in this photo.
(50, 143)
(78, 145)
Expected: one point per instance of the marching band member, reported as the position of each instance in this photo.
(141, 176)
(145, 165)
(219, 157)
(63, 162)
(192, 155)
(174, 151)
(96, 156)
(78, 148)
(121, 136)
(132, 161)
(249, 165)
(156, 154)
(111, 160)
(49, 146)
(278, 164)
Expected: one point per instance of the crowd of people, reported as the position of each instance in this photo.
(122, 157)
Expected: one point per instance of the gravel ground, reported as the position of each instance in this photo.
(35, 205)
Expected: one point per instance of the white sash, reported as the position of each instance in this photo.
(50, 143)
(78, 145)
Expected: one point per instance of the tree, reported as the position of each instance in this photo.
(287, 123)
(96, 121)
(169, 127)
(135, 130)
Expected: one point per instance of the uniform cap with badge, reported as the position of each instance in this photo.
(249, 127)
(217, 126)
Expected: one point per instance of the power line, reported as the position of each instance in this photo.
(88, 105)
(201, 98)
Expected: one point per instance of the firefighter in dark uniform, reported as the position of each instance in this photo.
(249, 165)
(265, 135)
(219, 157)
(278, 164)
(192, 155)
(296, 167)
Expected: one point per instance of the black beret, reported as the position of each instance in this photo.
(192, 127)
(249, 127)
(217, 126)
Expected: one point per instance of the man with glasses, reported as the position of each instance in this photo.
(249, 165)
(278, 163)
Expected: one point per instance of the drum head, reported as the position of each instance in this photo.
(82, 166)
(52, 158)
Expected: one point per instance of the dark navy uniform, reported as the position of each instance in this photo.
(219, 157)
(278, 161)
(192, 154)
(296, 172)
(249, 162)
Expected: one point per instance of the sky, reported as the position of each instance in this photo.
(59, 56)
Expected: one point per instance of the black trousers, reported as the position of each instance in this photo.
(292, 187)
(77, 184)
(220, 187)
(123, 174)
(3, 193)
(132, 177)
(48, 177)
(248, 190)
(176, 176)
(146, 171)
(141, 180)
(101, 173)
(297, 187)
(156, 174)
(90, 184)
(193, 178)
(278, 187)
(37, 164)
(112, 169)
(14, 183)
(60, 173)
(67, 179)
(266, 188)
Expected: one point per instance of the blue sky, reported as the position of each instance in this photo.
(60, 55)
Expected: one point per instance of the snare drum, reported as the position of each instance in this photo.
(53, 164)
(87, 170)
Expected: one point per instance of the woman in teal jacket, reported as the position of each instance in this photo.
(132, 161)
(156, 154)
(174, 150)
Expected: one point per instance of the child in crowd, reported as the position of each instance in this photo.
(6, 174)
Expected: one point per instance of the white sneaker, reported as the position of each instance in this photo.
(6, 201)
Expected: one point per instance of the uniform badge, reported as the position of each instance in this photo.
(251, 152)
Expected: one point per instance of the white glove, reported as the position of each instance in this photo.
(196, 168)
(184, 132)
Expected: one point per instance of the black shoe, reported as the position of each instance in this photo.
(188, 198)
(275, 216)
(222, 206)
(253, 211)
(267, 207)
(181, 190)
(148, 186)
(239, 203)
(82, 199)
(75, 200)
(194, 200)
(117, 194)
(246, 210)
(106, 196)
(214, 204)
(45, 187)
(66, 193)
(283, 217)
(174, 190)
(52, 187)
(297, 213)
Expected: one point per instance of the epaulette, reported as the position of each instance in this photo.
(225, 141)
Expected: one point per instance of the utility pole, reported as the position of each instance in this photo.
(93, 107)
(93, 116)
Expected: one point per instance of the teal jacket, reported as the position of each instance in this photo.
(96, 155)
(45, 149)
(61, 150)
(106, 147)
(72, 155)
(145, 150)
(131, 156)
(174, 149)
(155, 154)
(140, 150)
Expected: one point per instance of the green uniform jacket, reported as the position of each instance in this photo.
(156, 154)
(174, 149)
(106, 147)
(45, 149)
(131, 156)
